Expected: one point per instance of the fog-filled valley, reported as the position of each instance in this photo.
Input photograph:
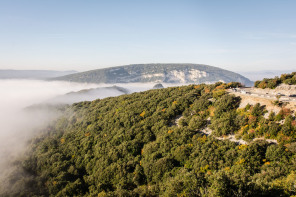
(19, 124)
(28, 105)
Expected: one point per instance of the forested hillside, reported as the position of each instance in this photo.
(272, 83)
(151, 144)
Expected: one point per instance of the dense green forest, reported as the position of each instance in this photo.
(150, 144)
(272, 83)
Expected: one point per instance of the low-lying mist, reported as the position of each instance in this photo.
(22, 115)
(17, 125)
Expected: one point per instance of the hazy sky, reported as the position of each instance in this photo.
(89, 34)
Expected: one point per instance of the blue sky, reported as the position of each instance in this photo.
(90, 34)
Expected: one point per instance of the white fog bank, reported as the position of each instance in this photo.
(17, 125)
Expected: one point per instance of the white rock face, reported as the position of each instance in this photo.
(186, 76)
(178, 76)
(153, 75)
(173, 76)
(196, 74)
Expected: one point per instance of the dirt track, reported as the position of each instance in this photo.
(267, 101)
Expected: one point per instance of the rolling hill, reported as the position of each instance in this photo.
(157, 73)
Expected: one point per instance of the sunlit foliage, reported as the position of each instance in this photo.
(137, 145)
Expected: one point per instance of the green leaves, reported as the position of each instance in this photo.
(150, 144)
(272, 83)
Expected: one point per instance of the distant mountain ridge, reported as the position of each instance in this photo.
(157, 73)
(32, 74)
